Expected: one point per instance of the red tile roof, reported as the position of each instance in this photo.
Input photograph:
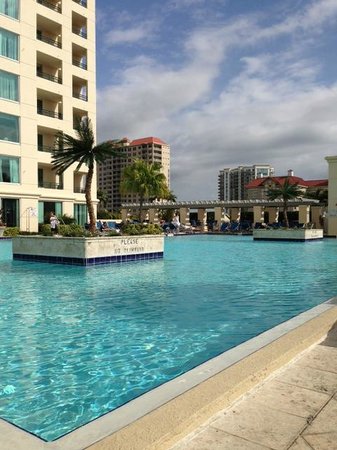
(147, 140)
(280, 180)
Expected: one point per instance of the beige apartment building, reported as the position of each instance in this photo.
(150, 149)
(47, 81)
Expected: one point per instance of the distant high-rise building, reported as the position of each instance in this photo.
(47, 81)
(232, 182)
(149, 149)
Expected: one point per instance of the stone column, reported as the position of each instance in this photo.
(202, 217)
(273, 214)
(331, 216)
(184, 214)
(153, 215)
(317, 216)
(258, 214)
(145, 215)
(235, 214)
(219, 216)
(304, 214)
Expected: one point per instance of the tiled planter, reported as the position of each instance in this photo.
(290, 234)
(88, 251)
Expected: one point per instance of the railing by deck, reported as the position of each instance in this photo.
(79, 63)
(81, 2)
(80, 32)
(50, 185)
(53, 114)
(49, 77)
(83, 97)
(49, 5)
(79, 190)
(48, 40)
(45, 148)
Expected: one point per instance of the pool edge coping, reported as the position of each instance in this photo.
(161, 417)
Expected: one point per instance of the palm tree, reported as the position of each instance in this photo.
(82, 150)
(144, 179)
(286, 192)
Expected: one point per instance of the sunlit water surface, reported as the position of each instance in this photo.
(76, 343)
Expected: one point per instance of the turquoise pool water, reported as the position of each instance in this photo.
(76, 343)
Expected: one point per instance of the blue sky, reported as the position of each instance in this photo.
(224, 82)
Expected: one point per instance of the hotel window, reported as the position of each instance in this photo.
(10, 8)
(9, 86)
(9, 128)
(80, 213)
(9, 169)
(8, 44)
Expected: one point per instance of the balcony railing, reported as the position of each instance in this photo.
(78, 190)
(83, 97)
(45, 148)
(81, 2)
(49, 77)
(48, 40)
(50, 185)
(53, 114)
(79, 63)
(49, 5)
(80, 32)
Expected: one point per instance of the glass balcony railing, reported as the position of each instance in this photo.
(50, 185)
(49, 77)
(80, 32)
(48, 40)
(81, 2)
(83, 97)
(80, 63)
(78, 190)
(45, 148)
(53, 114)
(50, 5)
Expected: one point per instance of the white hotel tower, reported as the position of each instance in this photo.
(47, 81)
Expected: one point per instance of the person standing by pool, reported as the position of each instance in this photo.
(54, 223)
(176, 223)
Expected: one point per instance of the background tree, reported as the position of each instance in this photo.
(144, 179)
(285, 192)
(320, 194)
(102, 197)
(81, 149)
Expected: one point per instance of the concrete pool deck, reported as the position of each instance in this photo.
(296, 403)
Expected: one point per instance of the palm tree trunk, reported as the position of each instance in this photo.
(285, 212)
(90, 206)
(141, 201)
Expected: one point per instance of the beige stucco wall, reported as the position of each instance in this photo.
(58, 97)
(332, 205)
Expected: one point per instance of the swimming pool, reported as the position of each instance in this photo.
(76, 343)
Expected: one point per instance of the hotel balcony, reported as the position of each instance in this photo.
(48, 31)
(48, 179)
(79, 115)
(79, 182)
(54, 5)
(49, 68)
(80, 57)
(81, 2)
(79, 25)
(80, 89)
(49, 104)
(46, 139)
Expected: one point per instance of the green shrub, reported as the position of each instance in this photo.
(45, 229)
(11, 231)
(138, 228)
(72, 230)
(65, 219)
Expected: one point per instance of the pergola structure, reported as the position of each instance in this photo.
(309, 210)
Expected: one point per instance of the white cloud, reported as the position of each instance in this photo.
(272, 110)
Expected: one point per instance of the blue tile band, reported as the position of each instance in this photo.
(88, 261)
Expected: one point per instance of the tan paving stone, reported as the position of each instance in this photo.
(322, 441)
(215, 439)
(261, 425)
(289, 398)
(307, 377)
(300, 444)
(325, 422)
(321, 357)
